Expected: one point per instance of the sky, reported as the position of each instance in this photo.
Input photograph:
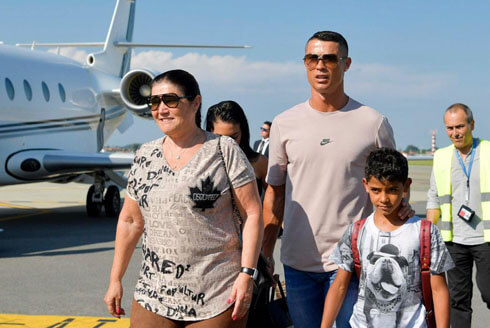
(410, 59)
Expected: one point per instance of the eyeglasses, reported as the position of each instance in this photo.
(264, 129)
(169, 99)
(329, 60)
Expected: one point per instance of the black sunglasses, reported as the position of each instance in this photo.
(169, 99)
(329, 60)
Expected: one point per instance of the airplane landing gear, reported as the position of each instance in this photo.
(95, 200)
(112, 202)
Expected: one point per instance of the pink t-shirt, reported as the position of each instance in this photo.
(320, 157)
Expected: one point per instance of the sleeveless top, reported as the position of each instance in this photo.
(190, 246)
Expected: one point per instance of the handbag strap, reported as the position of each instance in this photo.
(236, 211)
(425, 226)
(355, 250)
(273, 290)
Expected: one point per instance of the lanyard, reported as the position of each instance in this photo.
(470, 165)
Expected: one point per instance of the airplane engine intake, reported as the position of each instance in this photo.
(135, 88)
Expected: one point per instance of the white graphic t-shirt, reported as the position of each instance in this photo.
(390, 287)
(191, 249)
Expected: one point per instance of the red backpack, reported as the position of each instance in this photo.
(424, 264)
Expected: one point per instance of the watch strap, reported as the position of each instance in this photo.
(252, 272)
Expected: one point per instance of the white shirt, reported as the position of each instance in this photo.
(264, 143)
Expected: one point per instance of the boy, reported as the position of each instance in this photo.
(390, 289)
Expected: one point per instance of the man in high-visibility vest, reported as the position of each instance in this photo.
(459, 195)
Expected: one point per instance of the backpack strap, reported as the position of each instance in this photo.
(355, 250)
(425, 226)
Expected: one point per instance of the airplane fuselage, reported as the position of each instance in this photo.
(48, 101)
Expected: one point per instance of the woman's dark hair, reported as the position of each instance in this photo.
(186, 82)
(386, 164)
(231, 112)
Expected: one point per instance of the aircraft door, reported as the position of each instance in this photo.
(100, 130)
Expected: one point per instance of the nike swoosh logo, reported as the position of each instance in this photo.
(324, 142)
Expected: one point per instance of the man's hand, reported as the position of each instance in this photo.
(406, 211)
(269, 260)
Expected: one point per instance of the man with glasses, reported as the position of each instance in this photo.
(318, 151)
(262, 146)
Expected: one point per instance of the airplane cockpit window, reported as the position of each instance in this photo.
(45, 91)
(62, 92)
(28, 90)
(10, 88)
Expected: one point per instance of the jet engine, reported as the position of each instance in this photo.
(135, 88)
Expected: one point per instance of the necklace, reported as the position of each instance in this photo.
(179, 155)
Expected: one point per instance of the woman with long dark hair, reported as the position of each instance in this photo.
(227, 118)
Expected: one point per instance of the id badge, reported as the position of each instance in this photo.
(465, 213)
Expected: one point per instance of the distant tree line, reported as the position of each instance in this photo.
(133, 147)
(128, 148)
(411, 149)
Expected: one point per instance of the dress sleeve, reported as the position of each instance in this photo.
(239, 169)
(385, 137)
(440, 260)
(432, 200)
(278, 159)
(134, 179)
(342, 253)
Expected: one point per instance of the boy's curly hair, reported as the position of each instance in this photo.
(386, 164)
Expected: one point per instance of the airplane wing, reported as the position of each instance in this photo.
(43, 164)
(126, 45)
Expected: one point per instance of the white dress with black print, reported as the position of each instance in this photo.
(191, 247)
(390, 287)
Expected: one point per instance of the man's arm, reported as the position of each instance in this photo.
(273, 217)
(433, 210)
(440, 296)
(335, 297)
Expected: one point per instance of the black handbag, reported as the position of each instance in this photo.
(265, 311)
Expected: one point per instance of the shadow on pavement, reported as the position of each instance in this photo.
(51, 231)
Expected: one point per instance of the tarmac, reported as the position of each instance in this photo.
(55, 261)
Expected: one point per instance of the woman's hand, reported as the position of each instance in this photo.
(113, 299)
(241, 294)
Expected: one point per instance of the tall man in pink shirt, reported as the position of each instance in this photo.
(317, 154)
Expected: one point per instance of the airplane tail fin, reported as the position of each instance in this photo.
(113, 59)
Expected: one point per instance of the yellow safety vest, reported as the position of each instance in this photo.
(442, 173)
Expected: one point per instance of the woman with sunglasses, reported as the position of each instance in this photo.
(228, 119)
(180, 195)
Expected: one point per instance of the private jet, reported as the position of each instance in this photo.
(57, 113)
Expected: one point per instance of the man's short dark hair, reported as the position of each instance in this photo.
(386, 164)
(334, 37)
(269, 123)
